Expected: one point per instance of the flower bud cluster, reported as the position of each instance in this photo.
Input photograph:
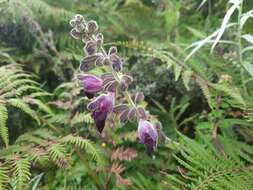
(109, 84)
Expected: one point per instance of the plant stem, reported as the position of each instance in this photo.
(239, 49)
(118, 78)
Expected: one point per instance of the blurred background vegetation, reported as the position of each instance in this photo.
(204, 101)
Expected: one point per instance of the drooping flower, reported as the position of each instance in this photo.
(100, 109)
(91, 84)
(147, 135)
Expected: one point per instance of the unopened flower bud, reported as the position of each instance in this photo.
(141, 113)
(75, 34)
(79, 18)
(128, 79)
(161, 134)
(112, 50)
(139, 97)
(91, 83)
(123, 86)
(116, 63)
(80, 28)
(107, 61)
(147, 135)
(90, 47)
(72, 23)
(92, 26)
(100, 39)
(89, 62)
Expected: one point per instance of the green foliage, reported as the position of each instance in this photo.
(3, 177)
(201, 166)
(48, 140)
(17, 90)
(21, 170)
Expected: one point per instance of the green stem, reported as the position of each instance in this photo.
(239, 49)
(118, 79)
(126, 93)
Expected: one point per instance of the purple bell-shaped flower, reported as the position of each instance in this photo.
(147, 135)
(100, 109)
(91, 84)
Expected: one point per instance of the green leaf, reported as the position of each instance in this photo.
(248, 67)
(248, 38)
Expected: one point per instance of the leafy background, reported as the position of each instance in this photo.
(203, 98)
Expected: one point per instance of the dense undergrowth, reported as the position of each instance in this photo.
(192, 60)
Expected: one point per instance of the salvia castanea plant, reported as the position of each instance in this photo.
(110, 84)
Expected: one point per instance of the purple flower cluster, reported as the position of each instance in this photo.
(109, 84)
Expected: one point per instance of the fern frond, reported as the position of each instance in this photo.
(207, 169)
(60, 118)
(4, 179)
(205, 89)
(20, 104)
(58, 154)
(41, 105)
(86, 145)
(81, 118)
(21, 171)
(3, 128)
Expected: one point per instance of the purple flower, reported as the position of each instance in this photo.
(91, 84)
(147, 135)
(100, 108)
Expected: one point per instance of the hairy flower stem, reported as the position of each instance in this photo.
(239, 49)
(117, 78)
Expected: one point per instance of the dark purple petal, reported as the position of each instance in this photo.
(100, 108)
(96, 103)
(89, 95)
(99, 118)
(147, 135)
